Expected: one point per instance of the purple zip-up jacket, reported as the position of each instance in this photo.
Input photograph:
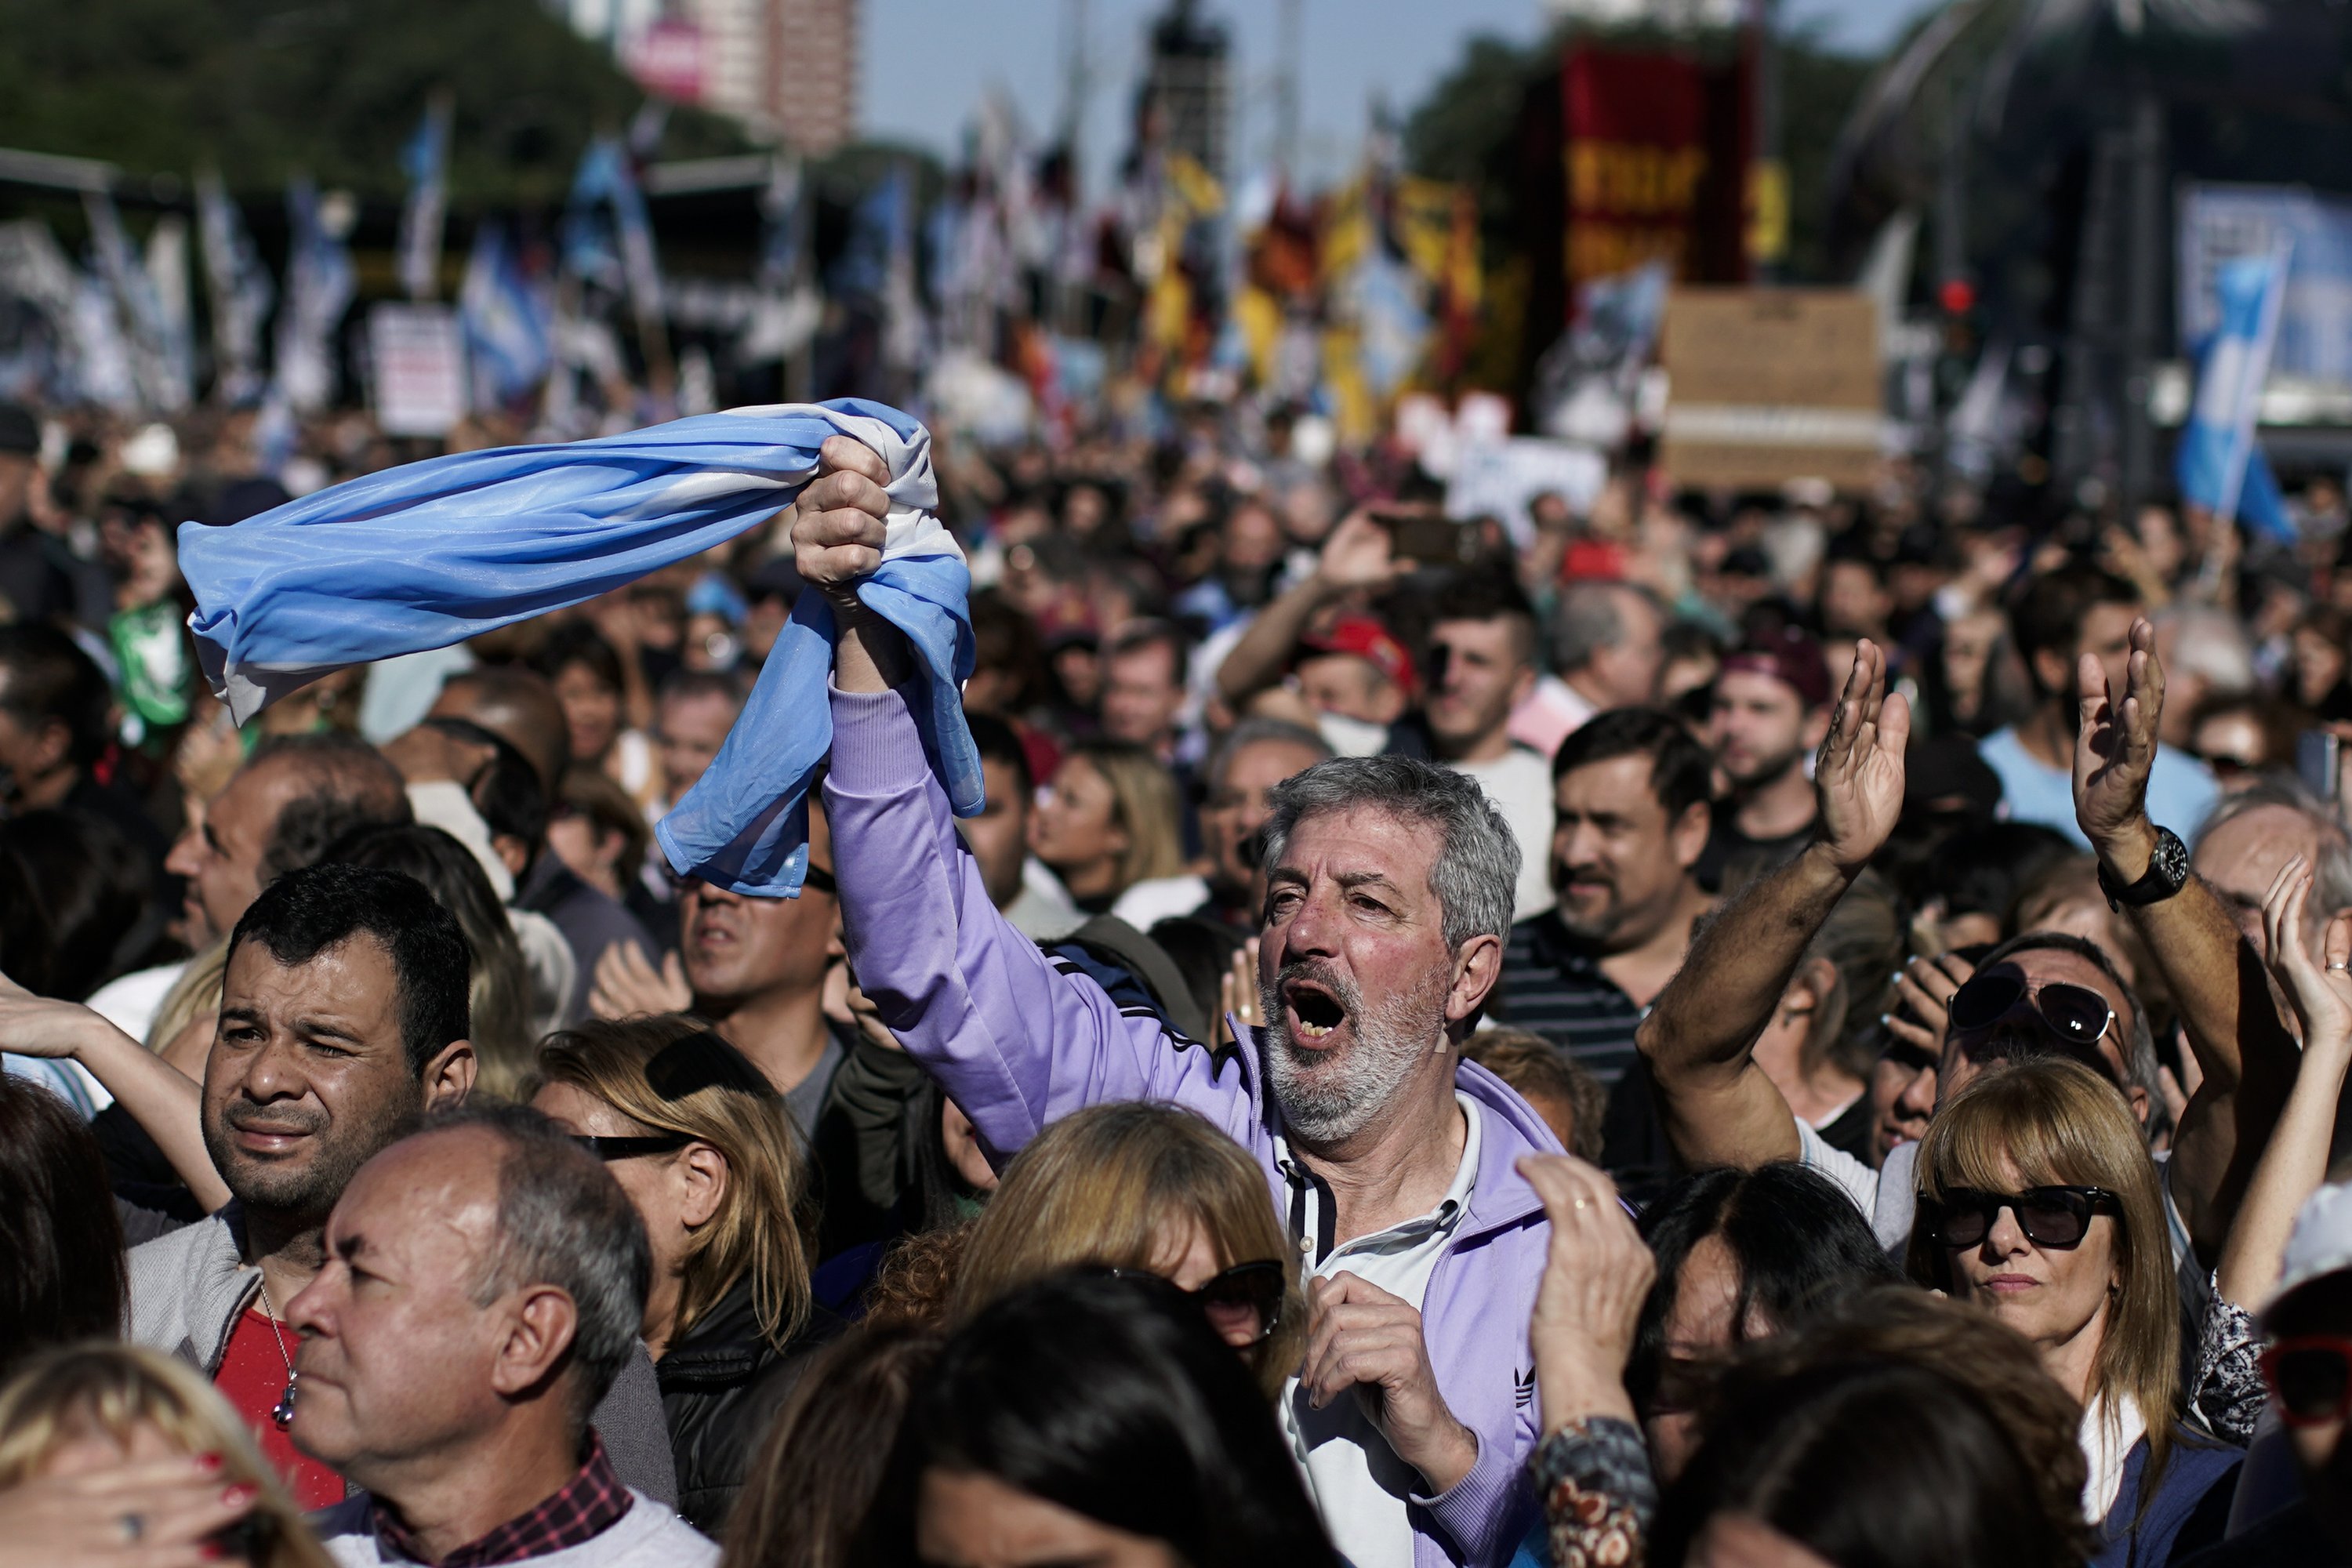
(1020, 1042)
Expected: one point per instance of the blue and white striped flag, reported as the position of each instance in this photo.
(240, 289)
(2219, 465)
(426, 160)
(508, 324)
(432, 553)
(319, 288)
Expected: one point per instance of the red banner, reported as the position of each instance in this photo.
(1655, 157)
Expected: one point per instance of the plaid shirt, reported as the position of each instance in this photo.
(586, 1506)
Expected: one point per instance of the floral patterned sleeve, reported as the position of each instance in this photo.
(2228, 1394)
(1598, 1492)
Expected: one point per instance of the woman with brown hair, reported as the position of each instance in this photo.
(2038, 1203)
(111, 1453)
(697, 1137)
(1155, 1189)
(1108, 822)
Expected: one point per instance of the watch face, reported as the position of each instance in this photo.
(2171, 858)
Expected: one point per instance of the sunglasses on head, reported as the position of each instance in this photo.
(2311, 1375)
(2055, 1217)
(2075, 1014)
(611, 1149)
(1246, 1296)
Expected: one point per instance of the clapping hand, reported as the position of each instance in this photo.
(1858, 775)
(628, 986)
(2322, 998)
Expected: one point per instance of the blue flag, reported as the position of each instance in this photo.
(508, 324)
(426, 160)
(432, 553)
(2219, 465)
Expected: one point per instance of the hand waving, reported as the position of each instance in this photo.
(2114, 747)
(1359, 554)
(2322, 998)
(1858, 775)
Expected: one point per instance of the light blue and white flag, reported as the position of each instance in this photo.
(607, 236)
(319, 288)
(162, 382)
(240, 289)
(429, 554)
(2219, 465)
(508, 322)
(426, 160)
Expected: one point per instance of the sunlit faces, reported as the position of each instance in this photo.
(1761, 727)
(1358, 982)
(1619, 860)
(2054, 1296)
(1482, 672)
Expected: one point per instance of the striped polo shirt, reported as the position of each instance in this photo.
(1552, 984)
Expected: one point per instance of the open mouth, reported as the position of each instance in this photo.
(1315, 1010)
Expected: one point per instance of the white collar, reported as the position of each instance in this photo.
(2108, 1434)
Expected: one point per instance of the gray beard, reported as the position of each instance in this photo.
(1328, 1096)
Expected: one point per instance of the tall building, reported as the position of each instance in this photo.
(785, 68)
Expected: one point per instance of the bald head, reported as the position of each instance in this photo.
(520, 708)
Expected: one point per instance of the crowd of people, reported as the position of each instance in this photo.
(1717, 1029)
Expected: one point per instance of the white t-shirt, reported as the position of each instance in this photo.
(1358, 1484)
(647, 1536)
(1519, 784)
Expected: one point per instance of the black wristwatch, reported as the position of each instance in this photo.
(2167, 874)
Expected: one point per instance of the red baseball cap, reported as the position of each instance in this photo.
(1367, 640)
(1790, 657)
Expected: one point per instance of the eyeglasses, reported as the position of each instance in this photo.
(2077, 1015)
(2312, 1376)
(611, 1149)
(1245, 1299)
(2055, 1217)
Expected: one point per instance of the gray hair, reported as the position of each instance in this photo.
(563, 1221)
(1475, 874)
(1262, 731)
(1589, 617)
(2331, 871)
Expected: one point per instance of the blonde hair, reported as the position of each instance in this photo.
(2060, 1123)
(103, 1388)
(671, 1075)
(197, 994)
(1104, 1186)
(1143, 805)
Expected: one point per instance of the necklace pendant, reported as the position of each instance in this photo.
(281, 1414)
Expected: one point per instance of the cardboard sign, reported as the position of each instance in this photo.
(1766, 385)
(419, 363)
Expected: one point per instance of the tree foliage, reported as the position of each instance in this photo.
(266, 89)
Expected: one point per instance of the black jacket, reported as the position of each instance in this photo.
(720, 1387)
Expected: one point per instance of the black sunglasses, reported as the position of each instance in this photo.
(2056, 1216)
(611, 1149)
(2075, 1014)
(2312, 1375)
(1246, 1295)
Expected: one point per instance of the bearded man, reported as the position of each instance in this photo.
(1390, 888)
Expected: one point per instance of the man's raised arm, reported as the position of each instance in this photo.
(2243, 1047)
(1719, 1106)
(1017, 1042)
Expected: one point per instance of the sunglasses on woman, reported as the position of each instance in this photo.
(2075, 1014)
(2311, 1375)
(2056, 1217)
(1248, 1296)
(611, 1149)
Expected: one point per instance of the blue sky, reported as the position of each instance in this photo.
(924, 64)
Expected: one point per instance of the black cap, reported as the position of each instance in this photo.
(19, 431)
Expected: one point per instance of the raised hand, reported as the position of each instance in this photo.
(1858, 776)
(2322, 998)
(838, 524)
(1359, 554)
(1923, 997)
(2115, 748)
(44, 1027)
(627, 986)
(1597, 1273)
